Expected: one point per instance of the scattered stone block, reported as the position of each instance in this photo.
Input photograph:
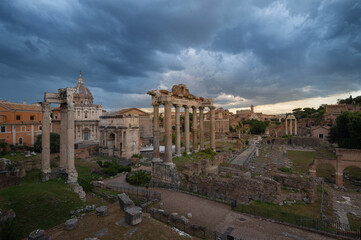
(124, 201)
(133, 216)
(153, 210)
(13, 154)
(174, 215)
(160, 210)
(161, 205)
(102, 211)
(184, 219)
(189, 215)
(38, 234)
(7, 216)
(102, 232)
(91, 238)
(132, 231)
(71, 224)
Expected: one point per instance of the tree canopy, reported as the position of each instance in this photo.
(350, 100)
(347, 132)
(54, 143)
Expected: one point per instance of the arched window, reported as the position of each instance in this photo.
(20, 141)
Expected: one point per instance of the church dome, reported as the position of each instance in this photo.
(82, 94)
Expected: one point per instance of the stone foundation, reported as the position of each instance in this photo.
(164, 174)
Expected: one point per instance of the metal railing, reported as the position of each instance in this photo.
(138, 192)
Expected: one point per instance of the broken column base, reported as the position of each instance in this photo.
(78, 190)
(164, 174)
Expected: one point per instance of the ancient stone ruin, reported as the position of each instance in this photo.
(64, 97)
(164, 171)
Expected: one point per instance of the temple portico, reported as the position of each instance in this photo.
(178, 97)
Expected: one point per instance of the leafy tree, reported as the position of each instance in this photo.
(347, 131)
(54, 143)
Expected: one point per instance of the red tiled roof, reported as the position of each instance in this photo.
(20, 106)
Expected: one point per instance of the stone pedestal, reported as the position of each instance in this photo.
(133, 216)
(102, 211)
(124, 201)
(164, 174)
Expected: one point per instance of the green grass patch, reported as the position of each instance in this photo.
(193, 157)
(354, 221)
(38, 204)
(301, 160)
(18, 157)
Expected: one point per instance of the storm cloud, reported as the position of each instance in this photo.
(238, 52)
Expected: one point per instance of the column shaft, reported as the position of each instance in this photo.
(168, 131)
(295, 126)
(155, 132)
(186, 128)
(45, 138)
(195, 130)
(213, 129)
(70, 140)
(177, 131)
(286, 126)
(290, 126)
(201, 128)
(63, 138)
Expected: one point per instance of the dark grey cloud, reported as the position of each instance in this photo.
(262, 51)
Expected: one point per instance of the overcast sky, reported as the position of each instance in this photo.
(238, 52)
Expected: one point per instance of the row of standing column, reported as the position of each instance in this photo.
(168, 130)
(290, 131)
(66, 139)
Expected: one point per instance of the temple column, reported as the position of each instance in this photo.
(290, 126)
(295, 126)
(168, 131)
(201, 128)
(186, 129)
(63, 137)
(155, 132)
(177, 131)
(195, 129)
(286, 126)
(70, 139)
(45, 138)
(213, 129)
(115, 152)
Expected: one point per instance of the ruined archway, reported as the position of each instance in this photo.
(344, 158)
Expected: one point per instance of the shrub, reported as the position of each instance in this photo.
(247, 142)
(111, 171)
(100, 163)
(107, 165)
(285, 169)
(139, 177)
(137, 156)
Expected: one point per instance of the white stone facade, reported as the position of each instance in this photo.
(119, 135)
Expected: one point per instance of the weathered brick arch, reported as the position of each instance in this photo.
(344, 158)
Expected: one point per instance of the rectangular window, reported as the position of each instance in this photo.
(17, 117)
(320, 136)
(3, 129)
(32, 117)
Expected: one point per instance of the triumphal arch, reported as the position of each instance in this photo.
(164, 170)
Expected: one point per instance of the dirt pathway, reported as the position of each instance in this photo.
(218, 216)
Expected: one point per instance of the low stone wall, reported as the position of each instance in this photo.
(205, 166)
(84, 153)
(244, 188)
(240, 188)
(298, 141)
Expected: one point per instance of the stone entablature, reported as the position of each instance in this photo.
(119, 135)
